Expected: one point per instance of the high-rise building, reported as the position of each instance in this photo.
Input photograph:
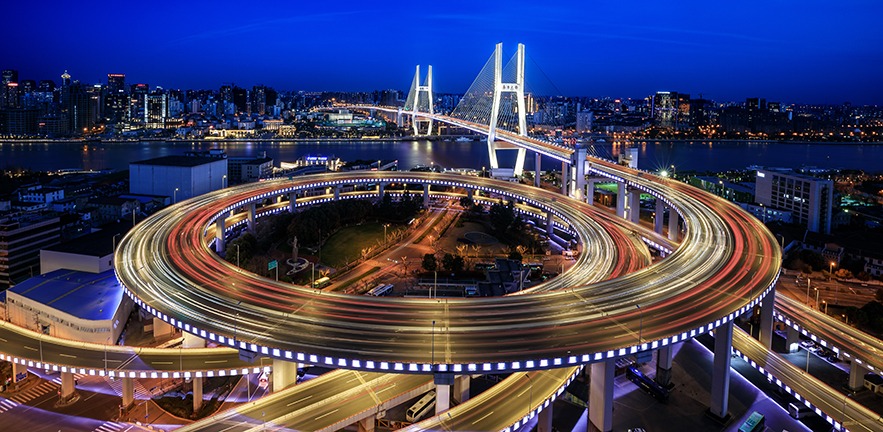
(8, 88)
(116, 83)
(157, 109)
(809, 199)
(23, 237)
(259, 100)
(240, 100)
(138, 102)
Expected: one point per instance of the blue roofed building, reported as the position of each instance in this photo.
(70, 304)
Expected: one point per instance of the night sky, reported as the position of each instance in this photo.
(788, 51)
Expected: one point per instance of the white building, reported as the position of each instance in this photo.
(179, 177)
(91, 253)
(809, 199)
(72, 305)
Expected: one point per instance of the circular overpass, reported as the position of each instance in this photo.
(725, 264)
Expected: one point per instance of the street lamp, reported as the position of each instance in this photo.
(831, 268)
(817, 298)
(432, 345)
(224, 178)
(385, 226)
(434, 283)
(175, 195)
(826, 306)
(641, 325)
(807, 289)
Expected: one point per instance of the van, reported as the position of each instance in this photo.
(798, 410)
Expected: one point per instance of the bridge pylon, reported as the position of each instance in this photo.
(415, 102)
(508, 87)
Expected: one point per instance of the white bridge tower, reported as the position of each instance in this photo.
(499, 88)
(417, 104)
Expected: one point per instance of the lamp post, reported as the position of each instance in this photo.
(432, 347)
(224, 178)
(817, 298)
(831, 268)
(826, 306)
(175, 196)
(313, 275)
(434, 284)
(385, 226)
(807, 289)
(237, 254)
(641, 325)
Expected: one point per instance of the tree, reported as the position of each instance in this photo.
(466, 202)
(515, 255)
(502, 216)
(429, 262)
(453, 263)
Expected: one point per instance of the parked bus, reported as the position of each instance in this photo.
(321, 282)
(647, 384)
(380, 290)
(755, 423)
(421, 408)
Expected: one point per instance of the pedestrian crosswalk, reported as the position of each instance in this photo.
(6, 405)
(57, 380)
(112, 427)
(141, 393)
(34, 392)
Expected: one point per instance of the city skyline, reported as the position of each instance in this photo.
(805, 54)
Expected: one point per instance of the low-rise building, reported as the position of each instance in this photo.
(21, 238)
(72, 305)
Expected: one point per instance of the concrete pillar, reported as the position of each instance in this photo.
(279, 198)
(549, 226)
(601, 396)
(634, 205)
(461, 388)
(673, 225)
(590, 191)
(426, 195)
(220, 241)
(292, 202)
(536, 169)
(192, 341)
(565, 178)
(470, 193)
(544, 422)
(128, 392)
(856, 375)
(19, 372)
(766, 319)
(660, 215)
(380, 187)
(161, 328)
(337, 193)
(620, 199)
(663, 366)
(792, 340)
(197, 393)
(720, 374)
(251, 210)
(284, 374)
(67, 385)
(578, 172)
(443, 383)
(366, 425)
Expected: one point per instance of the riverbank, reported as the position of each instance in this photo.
(234, 140)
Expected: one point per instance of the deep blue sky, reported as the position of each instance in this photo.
(790, 51)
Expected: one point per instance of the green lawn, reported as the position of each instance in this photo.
(347, 244)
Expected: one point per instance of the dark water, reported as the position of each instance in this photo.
(696, 155)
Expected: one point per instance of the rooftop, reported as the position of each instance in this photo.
(84, 295)
(178, 161)
(96, 244)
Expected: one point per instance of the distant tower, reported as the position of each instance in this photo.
(415, 102)
(499, 88)
(65, 79)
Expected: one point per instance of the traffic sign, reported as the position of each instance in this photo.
(272, 264)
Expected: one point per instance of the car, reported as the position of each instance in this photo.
(833, 359)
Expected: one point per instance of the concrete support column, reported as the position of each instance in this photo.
(620, 199)
(578, 173)
(549, 226)
(292, 202)
(220, 241)
(590, 191)
(601, 396)
(856, 375)
(634, 205)
(659, 217)
(68, 387)
(720, 374)
(251, 210)
(470, 193)
(367, 424)
(192, 341)
(380, 187)
(197, 393)
(161, 328)
(284, 374)
(443, 383)
(565, 178)
(536, 169)
(792, 340)
(663, 366)
(461, 388)
(128, 392)
(337, 193)
(766, 319)
(19, 372)
(426, 195)
(544, 421)
(673, 225)
(280, 198)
